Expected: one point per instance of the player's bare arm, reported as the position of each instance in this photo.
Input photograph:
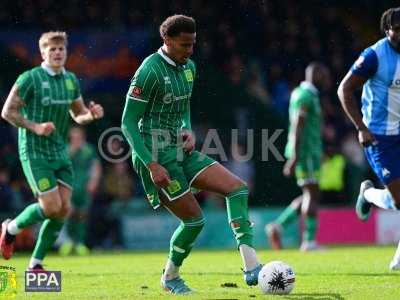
(83, 114)
(189, 140)
(11, 113)
(290, 165)
(347, 87)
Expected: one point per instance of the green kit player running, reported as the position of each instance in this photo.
(156, 122)
(87, 169)
(39, 104)
(303, 151)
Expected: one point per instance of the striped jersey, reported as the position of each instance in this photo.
(47, 97)
(306, 95)
(82, 160)
(380, 64)
(166, 87)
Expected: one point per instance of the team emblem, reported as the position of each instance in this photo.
(136, 92)
(189, 75)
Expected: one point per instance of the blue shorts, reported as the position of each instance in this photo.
(384, 157)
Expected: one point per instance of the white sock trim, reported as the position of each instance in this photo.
(12, 228)
(171, 271)
(249, 257)
(34, 261)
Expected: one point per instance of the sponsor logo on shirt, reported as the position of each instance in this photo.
(45, 85)
(167, 80)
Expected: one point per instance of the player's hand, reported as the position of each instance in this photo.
(159, 174)
(44, 129)
(289, 167)
(96, 110)
(189, 141)
(366, 138)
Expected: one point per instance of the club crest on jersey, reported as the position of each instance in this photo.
(136, 92)
(69, 84)
(189, 75)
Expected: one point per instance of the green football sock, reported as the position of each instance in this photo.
(32, 214)
(81, 232)
(183, 239)
(287, 216)
(238, 216)
(310, 228)
(48, 234)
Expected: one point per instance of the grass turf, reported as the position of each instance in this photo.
(338, 273)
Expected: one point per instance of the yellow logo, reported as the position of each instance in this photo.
(189, 75)
(174, 187)
(8, 282)
(69, 84)
(44, 184)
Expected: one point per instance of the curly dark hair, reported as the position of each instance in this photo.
(387, 18)
(176, 24)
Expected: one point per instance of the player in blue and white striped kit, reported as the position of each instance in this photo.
(377, 70)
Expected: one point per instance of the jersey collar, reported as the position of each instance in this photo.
(50, 70)
(309, 86)
(166, 58)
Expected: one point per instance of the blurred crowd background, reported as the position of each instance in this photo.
(249, 56)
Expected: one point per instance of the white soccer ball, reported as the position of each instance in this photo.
(276, 278)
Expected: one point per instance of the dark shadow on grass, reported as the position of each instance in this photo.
(310, 296)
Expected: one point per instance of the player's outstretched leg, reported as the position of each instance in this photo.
(275, 229)
(363, 207)
(31, 215)
(181, 244)
(187, 209)
(237, 208)
(395, 263)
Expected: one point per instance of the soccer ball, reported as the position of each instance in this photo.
(276, 278)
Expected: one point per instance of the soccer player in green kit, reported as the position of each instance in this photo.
(87, 169)
(303, 151)
(39, 104)
(156, 122)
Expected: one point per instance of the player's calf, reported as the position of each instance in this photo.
(6, 241)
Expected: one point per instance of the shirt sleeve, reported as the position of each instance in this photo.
(143, 85)
(366, 65)
(25, 86)
(300, 101)
(77, 90)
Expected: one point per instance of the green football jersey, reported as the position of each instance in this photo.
(166, 87)
(305, 95)
(82, 160)
(47, 98)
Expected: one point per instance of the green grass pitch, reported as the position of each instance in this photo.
(338, 273)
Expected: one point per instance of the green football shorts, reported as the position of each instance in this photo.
(182, 173)
(44, 175)
(308, 170)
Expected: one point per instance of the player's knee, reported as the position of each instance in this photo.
(52, 210)
(65, 211)
(237, 185)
